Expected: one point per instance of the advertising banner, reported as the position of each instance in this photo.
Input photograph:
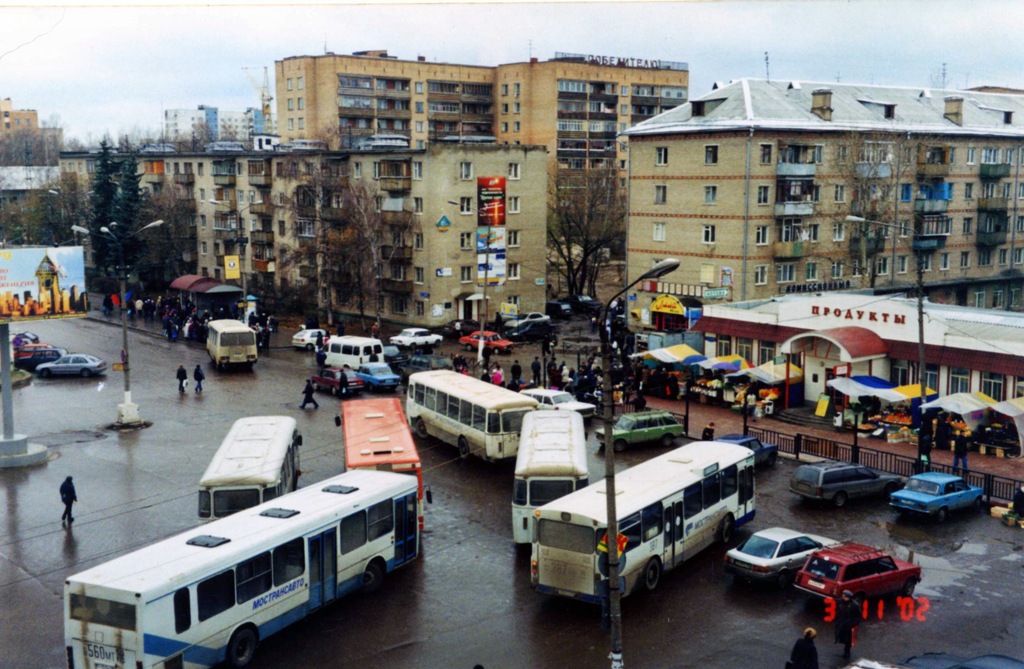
(490, 256)
(490, 199)
(41, 283)
(232, 270)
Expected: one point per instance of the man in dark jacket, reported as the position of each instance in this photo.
(182, 378)
(848, 617)
(69, 497)
(198, 376)
(805, 654)
(960, 450)
(517, 371)
(535, 368)
(307, 395)
(709, 432)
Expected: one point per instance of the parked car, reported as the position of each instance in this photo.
(839, 482)
(764, 454)
(642, 427)
(531, 317)
(306, 338)
(934, 494)
(559, 400)
(863, 570)
(378, 376)
(950, 661)
(416, 337)
(73, 364)
(19, 339)
(583, 304)
(458, 327)
(530, 331)
(492, 340)
(30, 356)
(423, 363)
(395, 357)
(773, 555)
(329, 380)
(558, 309)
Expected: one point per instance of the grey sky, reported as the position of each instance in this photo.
(115, 69)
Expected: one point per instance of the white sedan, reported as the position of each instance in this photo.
(559, 400)
(306, 339)
(773, 555)
(415, 337)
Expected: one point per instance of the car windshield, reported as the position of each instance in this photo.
(379, 371)
(924, 487)
(561, 398)
(625, 423)
(822, 568)
(759, 547)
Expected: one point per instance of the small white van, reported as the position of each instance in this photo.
(231, 342)
(353, 351)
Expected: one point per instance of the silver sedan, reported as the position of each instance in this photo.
(773, 555)
(74, 364)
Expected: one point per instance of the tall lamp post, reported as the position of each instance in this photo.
(127, 412)
(614, 609)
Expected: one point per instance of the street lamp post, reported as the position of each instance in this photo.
(614, 608)
(128, 411)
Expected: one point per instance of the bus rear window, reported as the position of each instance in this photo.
(227, 502)
(238, 339)
(575, 538)
(512, 421)
(98, 611)
(542, 492)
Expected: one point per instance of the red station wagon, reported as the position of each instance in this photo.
(863, 570)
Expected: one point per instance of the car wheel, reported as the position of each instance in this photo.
(309, 347)
(45, 373)
(652, 574)
(772, 459)
(726, 528)
(890, 488)
(421, 428)
(840, 499)
(85, 373)
(667, 441)
(942, 515)
(785, 579)
(242, 647)
(908, 588)
(463, 448)
(619, 445)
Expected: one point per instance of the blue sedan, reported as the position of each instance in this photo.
(378, 376)
(764, 454)
(934, 494)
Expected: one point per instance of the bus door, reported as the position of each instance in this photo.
(406, 528)
(673, 534)
(323, 568)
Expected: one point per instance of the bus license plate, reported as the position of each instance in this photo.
(104, 657)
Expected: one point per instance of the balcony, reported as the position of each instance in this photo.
(153, 177)
(263, 265)
(394, 113)
(873, 170)
(307, 272)
(392, 184)
(261, 180)
(933, 170)
(396, 285)
(262, 208)
(261, 237)
(990, 237)
(226, 233)
(930, 206)
(795, 169)
(993, 203)
(788, 249)
(224, 179)
(869, 245)
(800, 208)
(995, 171)
(185, 178)
(394, 93)
(329, 213)
(396, 253)
(928, 243)
(603, 116)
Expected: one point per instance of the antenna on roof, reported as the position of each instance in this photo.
(767, 73)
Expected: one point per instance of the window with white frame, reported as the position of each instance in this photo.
(660, 194)
(465, 170)
(925, 261)
(970, 155)
(837, 269)
(968, 191)
(305, 227)
(765, 352)
(419, 274)
(417, 240)
(968, 224)
(1004, 256)
(659, 232)
(513, 204)
(811, 271)
(512, 238)
(513, 271)
(466, 273)
(723, 346)
(465, 205)
(901, 264)
(761, 235)
(883, 266)
(513, 170)
(785, 272)
(661, 155)
(357, 170)
(959, 380)
(708, 234)
(838, 231)
(762, 194)
(711, 155)
(992, 385)
(417, 205)
(944, 262)
(417, 169)
(766, 154)
(710, 194)
(760, 275)
(984, 257)
(840, 193)
(420, 308)
(466, 242)
(965, 259)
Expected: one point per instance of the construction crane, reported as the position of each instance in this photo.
(263, 88)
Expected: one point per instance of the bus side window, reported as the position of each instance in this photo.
(493, 423)
(630, 528)
(712, 491)
(692, 500)
(216, 594)
(651, 520)
(353, 532)
(380, 520)
(182, 610)
(746, 485)
(289, 561)
(729, 482)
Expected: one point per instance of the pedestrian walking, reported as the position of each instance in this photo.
(198, 377)
(319, 340)
(307, 395)
(804, 654)
(343, 382)
(709, 432)
(517, 371)
(69, 497)
(924, 451)
(545, 346)
(182, 379)
(375, 330)
(848, 617)
(321, 359)
(535, 368)
(960, 450)
(341, 328)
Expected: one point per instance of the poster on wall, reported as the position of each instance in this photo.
(41, 283)
(490, 200)
(490, 256)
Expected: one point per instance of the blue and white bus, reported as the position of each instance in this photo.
(211, 594)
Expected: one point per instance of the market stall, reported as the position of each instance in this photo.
(901, 413)
(973, 408)
(1013, 410)
(771, 382)
(713, 384)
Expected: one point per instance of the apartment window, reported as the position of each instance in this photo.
(906, 192)
(515, 90)
(417, 169)
(708, 234)
(513, 204)
(465, 205)
(710, 194)
(301, 103)
(901, 265)
(883, 266)
(970, 155)
(811, 271)
(465, 171)
(517, 107)
(984, 257)
(838, 231)
(417, 241)
(504, 126)
(281, 229)
(1018, 256)
(419, 274)
(968, 191)
(925, 261)
(466, 273)
(357, 170)
(837, 269)
(1004, 256)
(513, 271)
(762, 194)
(288, 84)
(840, 193)
(202, 247)
(420, 308)
(660, 194)
(761, 235)
(504, 89)
(305, 227)
(766, 154)
(979, 298)
(968, 224)
(291, 124)
(997, 298)
(661, 155)
(512, 238)
(659, 232)
(992, 385)
(625, 91)
(842, 153)
(513, 170)
(760, 275)
(785, 272)
(291, 104)
(419, 126)
(466, 241)
(419, 88)
(711, 155)
(417, 205)
(965, 259)
(515, 127)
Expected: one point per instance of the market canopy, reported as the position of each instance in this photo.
(855, 386)
(680, 353)
(771, 373)
(971, 406)
(1011, 408)
(731, 363)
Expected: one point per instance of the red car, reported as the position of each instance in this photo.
(329, 380)
(492, 340)
(863, 570)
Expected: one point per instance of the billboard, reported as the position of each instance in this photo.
(490, 201)
(490, 256)
(41, 283)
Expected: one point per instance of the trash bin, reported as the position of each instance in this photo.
(769, 408)
(837, 421)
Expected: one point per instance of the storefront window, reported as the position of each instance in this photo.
(744, 348)
(992, 385)
(900, 373)
(931, 377)
(766, 352)
(959, 380)
(724, 346)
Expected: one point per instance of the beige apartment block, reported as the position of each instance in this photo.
(13, 120)
(750, 186)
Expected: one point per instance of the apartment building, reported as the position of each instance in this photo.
(435, 248)
(12, 120)
(573, 104)
(211, 123)
(751, 186)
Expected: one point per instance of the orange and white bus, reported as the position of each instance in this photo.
(377, 436)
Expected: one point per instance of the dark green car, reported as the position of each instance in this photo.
(643, 427)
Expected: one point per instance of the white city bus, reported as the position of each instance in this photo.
(478, 417)
(552, 463)
(257, 461)
(669, 509)
(210, 594)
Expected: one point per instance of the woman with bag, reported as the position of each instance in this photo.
(805, 653)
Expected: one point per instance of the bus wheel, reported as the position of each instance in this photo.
(652, 574)
(463, 448)
(421, 428)
(726, 528)
(372, 577)
(242, 647)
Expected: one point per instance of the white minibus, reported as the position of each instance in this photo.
(231, 342)
(353, 351)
